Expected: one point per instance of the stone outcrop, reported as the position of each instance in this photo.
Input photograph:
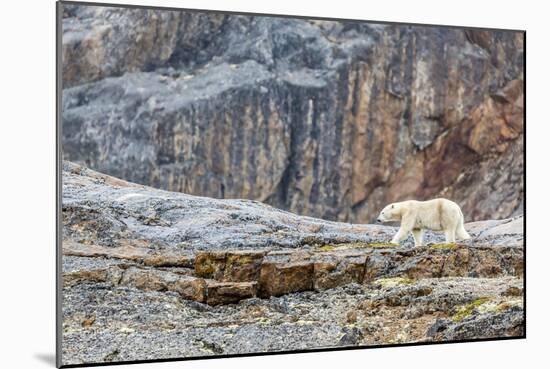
(322, 118)
(149, 273)
(230, 276)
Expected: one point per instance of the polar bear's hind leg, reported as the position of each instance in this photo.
(461, 232)
(418, 235)
(450, 236)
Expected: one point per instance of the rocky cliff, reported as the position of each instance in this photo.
(151, 274)
(322, 118)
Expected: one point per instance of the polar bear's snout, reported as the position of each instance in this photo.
(387, 214)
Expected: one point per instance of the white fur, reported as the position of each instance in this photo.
(416, 216)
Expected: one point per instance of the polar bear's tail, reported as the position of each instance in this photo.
(460, 230)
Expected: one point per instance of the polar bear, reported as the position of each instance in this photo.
(415, 216)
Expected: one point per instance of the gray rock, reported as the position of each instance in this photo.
(291, 112)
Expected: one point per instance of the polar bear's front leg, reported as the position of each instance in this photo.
(406, 227)
(398, 236)
(418, 235)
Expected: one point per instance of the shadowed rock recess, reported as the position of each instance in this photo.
(322, 118)
(151, 274)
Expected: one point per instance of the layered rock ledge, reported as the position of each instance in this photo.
(219, 277)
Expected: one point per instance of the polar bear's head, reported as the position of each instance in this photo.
(390, 213)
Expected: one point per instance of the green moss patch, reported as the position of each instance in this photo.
(444, 246)
(382, 244)
(467, 310)
(327, 248)
(355, 245)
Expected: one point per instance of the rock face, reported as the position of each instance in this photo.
(321, 118)
(154, 274)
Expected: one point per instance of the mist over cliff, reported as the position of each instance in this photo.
(323, 118)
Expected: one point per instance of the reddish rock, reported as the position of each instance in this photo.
(109, 274)
(148, 279)
(127, 252)
(279, 276)
(243, 266)
(230, 266)
(170, 260)
(229, 292)
(332, 271)
(210, 264)
(190, 288)
(158, 280)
